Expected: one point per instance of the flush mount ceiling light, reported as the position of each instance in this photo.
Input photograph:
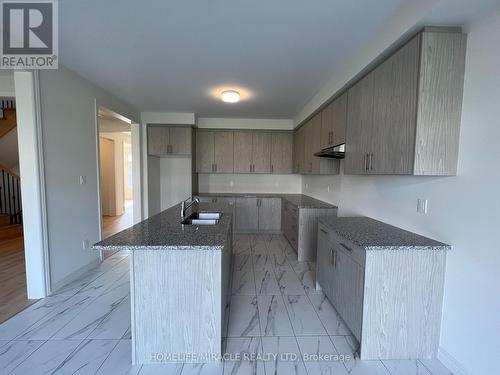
(230, 96)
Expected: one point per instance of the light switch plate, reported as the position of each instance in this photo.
(85, 244)
(422, 206)
(83, 180)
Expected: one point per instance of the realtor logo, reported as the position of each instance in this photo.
(29, 34)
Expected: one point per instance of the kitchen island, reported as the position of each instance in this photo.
(179, 282)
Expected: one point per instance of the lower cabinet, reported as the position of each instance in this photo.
(391, 299)
(342, 279)
(324, 261)
(269, 214)
(290, 224)
(257, 215)
(348, 287)
(246, 215)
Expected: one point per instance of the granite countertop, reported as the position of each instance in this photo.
(372, 234)
(299, 200)
(165, 232)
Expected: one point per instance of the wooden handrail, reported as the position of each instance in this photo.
(9, 171)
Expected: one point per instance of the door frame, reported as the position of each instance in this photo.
(135, 142)
(33, 194)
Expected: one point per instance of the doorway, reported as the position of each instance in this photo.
(13, 294)
(115, 173)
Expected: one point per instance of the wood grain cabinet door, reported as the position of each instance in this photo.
(261, 152)
(339, 120)
(394, 111)
(243, 152)
(224, 152)
(246, 215)
(179, 140)
(359, 126)
(349, 286)
(334, 122)
(324, 271)
(158, 140)
(303, 156)
(281, 153)
(298, 151)
(204, 151)
(269, 214)
(315, 144)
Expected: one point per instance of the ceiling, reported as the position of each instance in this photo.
(178, 55)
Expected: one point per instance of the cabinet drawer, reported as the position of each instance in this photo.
(348, 248)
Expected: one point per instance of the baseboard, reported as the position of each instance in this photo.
(452, 363)
(74, 275)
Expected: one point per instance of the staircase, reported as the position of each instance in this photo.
(11, 211)
(10, 185)
(8, 119)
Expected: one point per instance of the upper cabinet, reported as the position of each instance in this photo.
(214, 151)
(281, 153)
(166, 140)
(252, 153)
(307, 141)
(235, 151)
(403, 118)
(312, 144)
(359, 125)
(334, 122)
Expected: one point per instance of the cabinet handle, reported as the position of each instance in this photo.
(331, 256)
(272, 168)
(250, 167)
(371, 161)
(366, 161)
(334, 259)
(346, 247)
(216, 167)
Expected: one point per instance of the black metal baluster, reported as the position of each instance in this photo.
(9, 210)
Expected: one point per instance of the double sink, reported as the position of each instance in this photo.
(202, 218)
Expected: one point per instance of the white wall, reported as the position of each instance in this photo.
(69, 145)
(6, 83)
(463, 210)
(119, 139)
(249, 183)
(244, 123)
(175, 180)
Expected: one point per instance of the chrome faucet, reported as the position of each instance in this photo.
(184, 208)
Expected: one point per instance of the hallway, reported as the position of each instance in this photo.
(115, 224)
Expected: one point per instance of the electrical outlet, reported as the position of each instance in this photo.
(231, 183)
(85, 244)
(328, 188)
(83, 180)
(422, 206)
(307, 186)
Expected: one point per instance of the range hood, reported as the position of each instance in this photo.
(335, 152)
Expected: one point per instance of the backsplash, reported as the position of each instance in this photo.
(249, 183)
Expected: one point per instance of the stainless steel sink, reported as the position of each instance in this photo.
(203, 218)
(209, 215)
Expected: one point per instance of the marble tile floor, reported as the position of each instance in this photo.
(274, 308)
